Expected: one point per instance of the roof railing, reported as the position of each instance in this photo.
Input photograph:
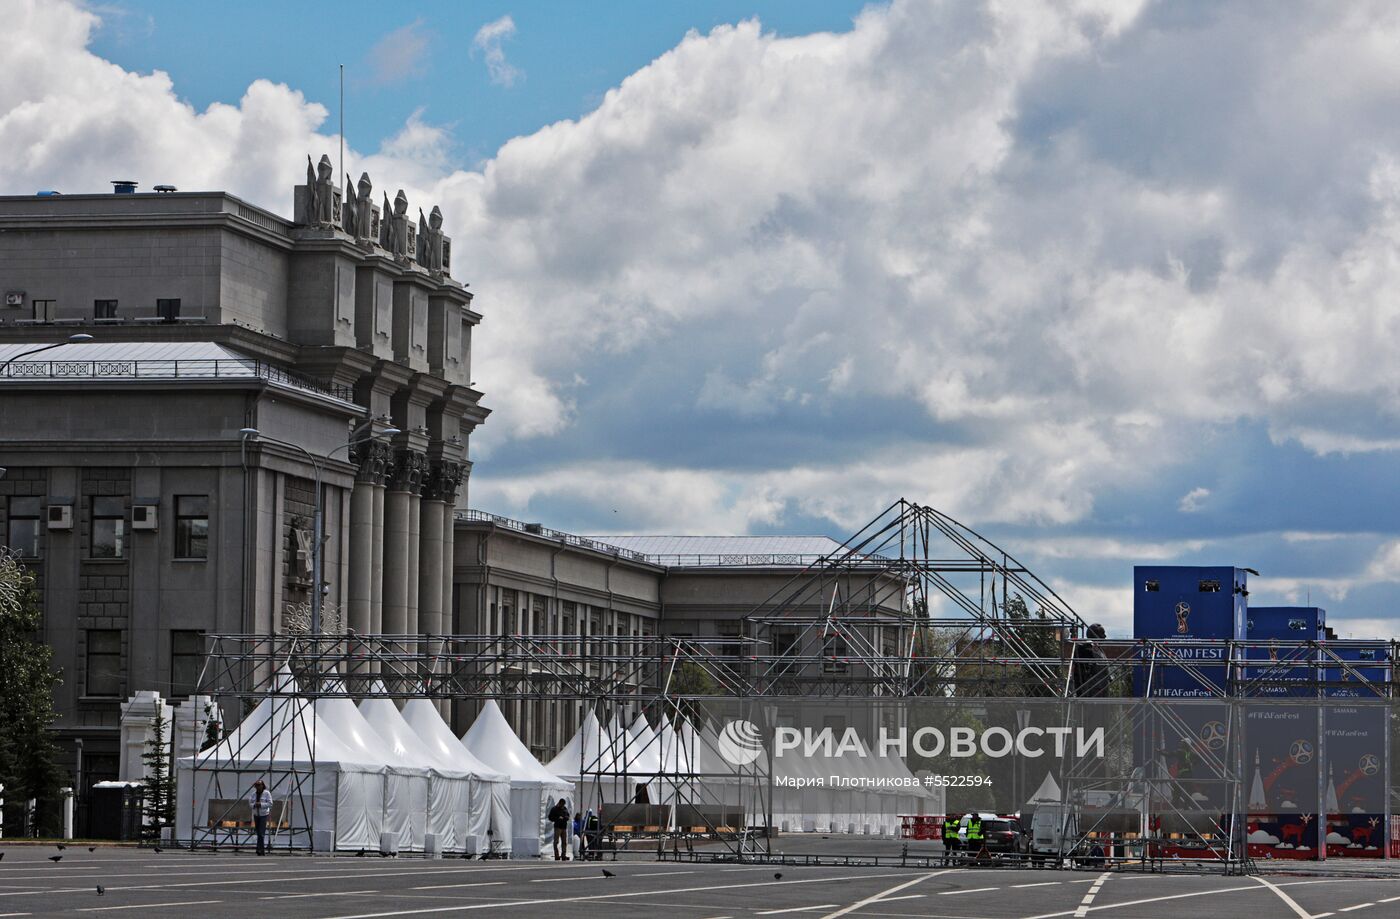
(118, 368)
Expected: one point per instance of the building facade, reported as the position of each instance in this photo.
(134, 486)
(162, 475)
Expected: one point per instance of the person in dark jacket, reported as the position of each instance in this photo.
(559, 816)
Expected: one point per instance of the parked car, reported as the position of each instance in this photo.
(1005, 835)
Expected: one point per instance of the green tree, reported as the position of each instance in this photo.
(27, 681)
(159, 805)
(691, 679)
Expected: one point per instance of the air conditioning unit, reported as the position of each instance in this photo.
(60, 517)
(14, 298)
(144, 516)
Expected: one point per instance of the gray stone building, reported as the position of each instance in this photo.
(152, 517)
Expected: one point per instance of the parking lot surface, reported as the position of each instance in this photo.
(211, 885)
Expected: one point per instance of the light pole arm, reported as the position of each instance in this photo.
(5, 366)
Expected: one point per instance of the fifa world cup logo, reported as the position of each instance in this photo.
(1183, 612)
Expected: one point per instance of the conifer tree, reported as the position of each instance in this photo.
(27, 681)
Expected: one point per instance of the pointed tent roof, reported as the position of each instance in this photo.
(357, 733)
(491, 740)
(426, 721)
(281, 729)
(383, 715)
(588, 749)
(641, 748)
(1047, 793)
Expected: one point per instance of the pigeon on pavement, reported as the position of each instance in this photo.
(100, 890)
(55, 858)
(608, 874)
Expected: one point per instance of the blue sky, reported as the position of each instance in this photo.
(569, 54)
(1111, 282)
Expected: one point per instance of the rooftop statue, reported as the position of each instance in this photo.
(360, 217)
(321, 193)
(394, 227)
(430, 240)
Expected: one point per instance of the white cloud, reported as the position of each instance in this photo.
(399, 55)
(488, 41)
(1193, 500)
(1055, 246)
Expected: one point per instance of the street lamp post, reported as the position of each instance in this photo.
(77, 339)
(316, 536)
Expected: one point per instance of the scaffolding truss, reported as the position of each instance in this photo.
(913, 605)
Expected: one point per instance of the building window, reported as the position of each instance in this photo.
(191, 526)
(104, 662)
(104, 309)
(1209, 586)
(730, 628)
(1153, 586)
(44, 310)
(784, 642)
(22, 534)
(168, 308)
(186, 661)
(834, 651)
(108, 538)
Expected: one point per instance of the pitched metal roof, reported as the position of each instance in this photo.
(711, 551)
(150, 360)
(128, 351)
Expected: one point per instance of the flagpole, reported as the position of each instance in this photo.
(342, 124)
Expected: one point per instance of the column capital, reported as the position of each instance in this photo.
(442, 481)
(410, 468)
(374, 459)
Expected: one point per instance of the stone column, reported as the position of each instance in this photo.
(376, 573)
(430, 561)
(415, 521)
(449, 613)
(396, 560)
(401, 543)
(361, 549)
(366, 542)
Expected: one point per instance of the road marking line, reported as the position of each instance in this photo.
(333, 893)
(1348, 909)
(1182, 896)
(504, 904)
(795, 909)
(99, 909)
(1037, 884)
(451, 886)
(1085, 903)
(602, 877)
(1388, 900)
(884, 893)
(950, 893)
(1292, 903)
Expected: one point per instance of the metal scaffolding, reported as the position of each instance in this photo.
(914, 605)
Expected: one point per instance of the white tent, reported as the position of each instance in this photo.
(449, 788)
(533, 789)
(640, 758)
(489, 817)
(587, 762)
(405, 784)
(326, 793)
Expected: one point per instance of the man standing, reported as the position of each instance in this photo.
(260, 800)
(559, 816)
